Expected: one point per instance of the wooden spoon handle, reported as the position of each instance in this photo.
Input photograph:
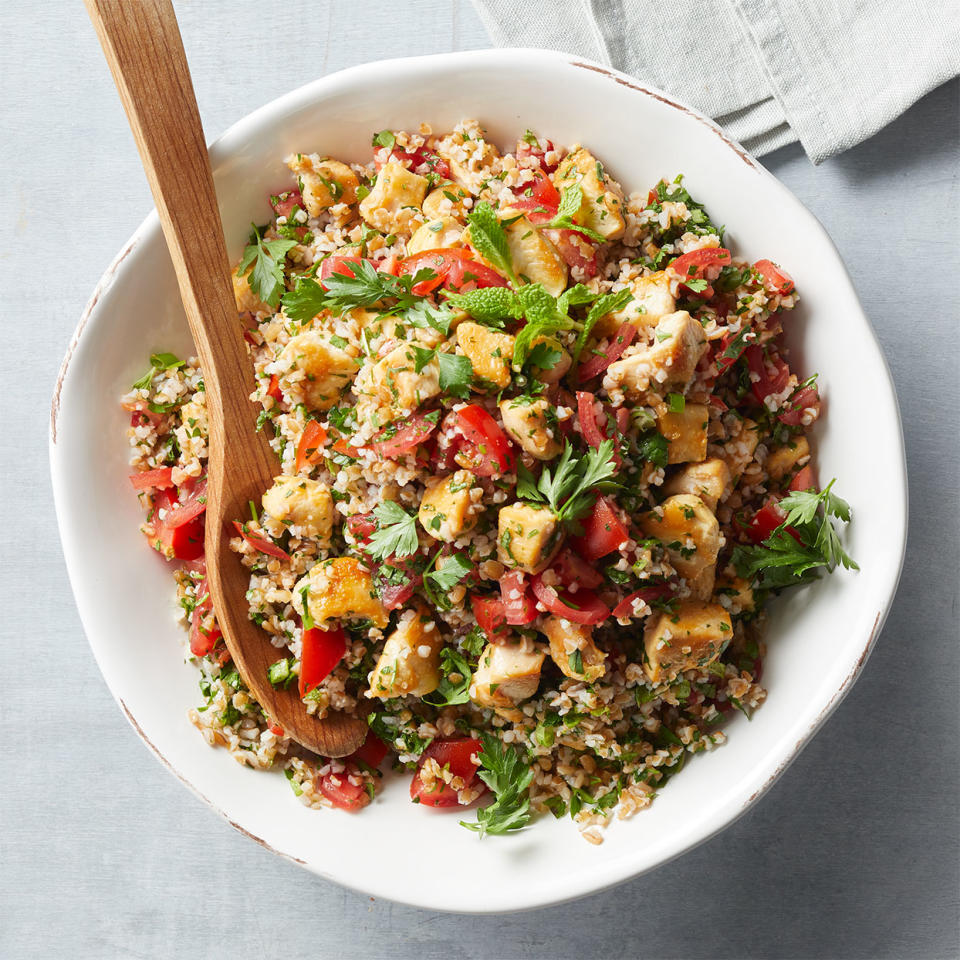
(142, 44)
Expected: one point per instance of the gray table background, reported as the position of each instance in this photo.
(854, 853)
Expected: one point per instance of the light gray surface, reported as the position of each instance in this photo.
(854, 853)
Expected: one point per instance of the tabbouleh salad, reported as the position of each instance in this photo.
(542, 463)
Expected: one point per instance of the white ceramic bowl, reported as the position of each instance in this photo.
(819, 637)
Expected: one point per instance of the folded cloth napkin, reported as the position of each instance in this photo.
(829, 73)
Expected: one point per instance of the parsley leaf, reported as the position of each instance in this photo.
(267, 257)
(571, 485)
(489, 239)
(158, 363)
(396, 533)
(570, 202)
(508, 775)
(456, 372)
(653, 447)
(384, 138)
(543, 356)
(305, 300)
(451, 691)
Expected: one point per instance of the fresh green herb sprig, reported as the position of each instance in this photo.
(437, 583)
(783, 561)
(396, 533)
(505, 771)
(489, 239)
(158, 363)
(571, 485)
(267, 257)
(451, 691)
(571, 199)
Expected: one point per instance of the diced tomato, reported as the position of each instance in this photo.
(422, 161)
(584, 606)
(622, 416)
(362, 526)
(603, 532)
(203, 633)
(576, 249)
(341, 264)
(273, 389)
(702, 264)
(284, 203)
(778, 280)
(395, 584)
(519, 607)
(537, 151)
(259, 542)
(389, 264)
(400, 438)
(573, 570)
(805, 479)
(342, 793)
(624, 608)
(439, 261)
(455, 755)
(796, 407)
(598, 363)
(320, 652)
(768, 373)
(141, 418)
(490, 616)
(589, 427)
(485, 434)
(310, 447)
(728, 350)
(342, 445)
(371, 751)
(158, 478)
(766, 520)
(539, 201)
(180, 530)
(275, 728)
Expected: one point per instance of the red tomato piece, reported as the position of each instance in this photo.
(468, 274)
(484, 432)
(342, 793)
(310, 447)
(519, 607)
(490, 616)
(400, 438)
(576, 249)
(768, 373)
(805, 479)
(157, 478)
(806, 399)
(275, 728)
(180, 530)
(702, 264)
(395, 594)
(439, 261)
(574, 570)
(584, 606)
(285, 203)
(422, 161)
(615, 349)
(320, 652)
(603, 532)
(141, 418)
(624, 608)
(193, 502)
(537, 151)
(362, 526)
(203, 638)
(341, 264)
(260, 542)
(454, 754)
(778, 280)
(371, 751)
(588, 419)
(766, 520)
(273, 389)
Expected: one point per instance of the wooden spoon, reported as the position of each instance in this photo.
(142, 44)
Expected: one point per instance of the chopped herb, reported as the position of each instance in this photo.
(267, 258)
(507, 774)
(396, 533)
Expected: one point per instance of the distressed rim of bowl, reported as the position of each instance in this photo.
(888, 579)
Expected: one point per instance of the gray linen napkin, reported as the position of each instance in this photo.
(829, 73)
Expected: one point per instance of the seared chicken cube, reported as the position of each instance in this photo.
(409, 664)
(701, 586)
(393, 387)
(316, 371)
(652, 301)
(709, 480)
(667, 364)
(323, 182)
(693, 635)
(394, 202)
(686, 432)
(448, 509)
(528, 536)
(445, 201)
(689, 531)
(247, 300)
(734, 594)
(507, 674)
(490, 352)
(440, 232)
(303, 503)
(339, 589)
(572, 649)
(535, 259)
(602, 206)
(781, 460)
(528, 421)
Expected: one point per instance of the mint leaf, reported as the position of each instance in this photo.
(487, 305)
(608, 303)
(570, 202)
(489, 238)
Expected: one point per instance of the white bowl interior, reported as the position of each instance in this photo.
(818, 637)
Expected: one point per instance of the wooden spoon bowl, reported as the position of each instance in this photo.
(142, 44)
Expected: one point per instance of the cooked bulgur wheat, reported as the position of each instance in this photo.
(531, 434)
